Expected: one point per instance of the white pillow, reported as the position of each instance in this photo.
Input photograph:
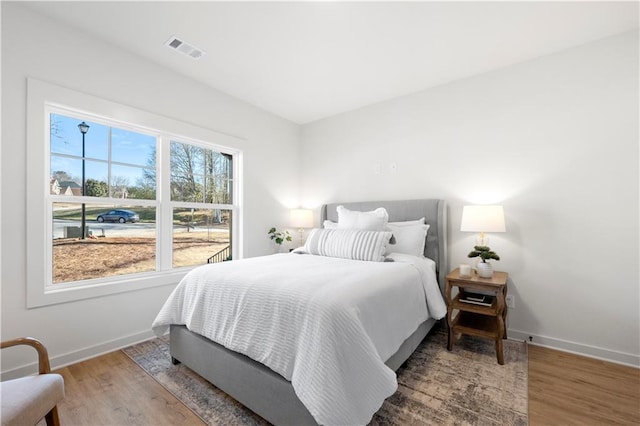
(409, 222)
(375, 220)
(409, 239)
(329, 224)
(355, 244)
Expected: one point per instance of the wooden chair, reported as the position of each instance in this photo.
(25, 401)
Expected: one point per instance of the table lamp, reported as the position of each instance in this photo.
(301, 218)
(482, 219)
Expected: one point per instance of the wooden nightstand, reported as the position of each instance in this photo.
(476, 320)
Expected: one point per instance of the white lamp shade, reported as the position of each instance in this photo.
(301, 218)
(482, 219)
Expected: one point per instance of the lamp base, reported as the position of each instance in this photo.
(482, 239)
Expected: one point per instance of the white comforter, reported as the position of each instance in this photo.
(325, 324)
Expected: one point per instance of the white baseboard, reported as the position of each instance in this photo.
(60, 361)
(631, 360)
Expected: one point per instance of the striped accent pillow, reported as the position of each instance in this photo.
(352, 244)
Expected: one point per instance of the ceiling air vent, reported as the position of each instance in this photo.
(184, 47)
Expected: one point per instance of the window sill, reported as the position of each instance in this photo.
(50, 295)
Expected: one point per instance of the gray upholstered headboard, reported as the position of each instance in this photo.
(434, 212)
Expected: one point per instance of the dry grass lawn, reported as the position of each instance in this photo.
(75, 259)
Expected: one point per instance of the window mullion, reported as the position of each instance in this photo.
(109, 180)
(236, 201)
(164, 248)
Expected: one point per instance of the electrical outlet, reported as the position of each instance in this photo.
(511, 301)
(377, 168)
(393, 167)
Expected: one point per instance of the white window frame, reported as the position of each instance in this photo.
(44, 98)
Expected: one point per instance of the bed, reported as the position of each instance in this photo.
(268, 393)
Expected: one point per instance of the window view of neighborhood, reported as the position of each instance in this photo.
(117, 163)
(112, 227)
(112, 247)
(198, 233)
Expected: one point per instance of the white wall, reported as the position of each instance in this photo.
(34, 46)
(555, 140)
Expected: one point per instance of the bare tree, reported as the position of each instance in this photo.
(197, 174)
(146, 185)
(56, 128)
(185, 161)
(119, 187)
(63, 176)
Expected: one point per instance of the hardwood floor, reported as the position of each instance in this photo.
(113, 390)
(564, 389)
(567, 389)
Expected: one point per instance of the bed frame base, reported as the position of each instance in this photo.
(257, 387)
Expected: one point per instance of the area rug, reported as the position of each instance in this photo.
(435, 387)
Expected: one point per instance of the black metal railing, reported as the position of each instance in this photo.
(221, 256)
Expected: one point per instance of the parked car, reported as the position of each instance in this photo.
(121, 216)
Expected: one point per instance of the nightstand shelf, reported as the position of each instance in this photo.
(475, 324)
(468, 307)
(477, 320)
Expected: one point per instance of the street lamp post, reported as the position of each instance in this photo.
(84, 128)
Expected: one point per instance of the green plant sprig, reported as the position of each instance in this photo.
(484, 253)
(279, 237)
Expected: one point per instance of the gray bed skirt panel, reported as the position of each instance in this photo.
(257, 387)
(410, 345)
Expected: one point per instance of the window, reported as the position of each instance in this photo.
(96, 162)
(127, 205)
(114, 243)
(201, 179)
(101, 161)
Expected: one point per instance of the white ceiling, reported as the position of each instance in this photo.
(308, 60)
